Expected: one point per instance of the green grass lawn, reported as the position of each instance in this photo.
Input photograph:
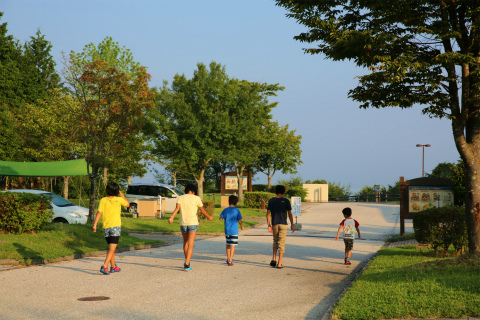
(406, 282)
(59, 240)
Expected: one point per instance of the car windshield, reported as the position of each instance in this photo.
(59, 201)
(178, 191)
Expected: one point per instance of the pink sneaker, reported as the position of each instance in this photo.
(114, 269)
(104, 270)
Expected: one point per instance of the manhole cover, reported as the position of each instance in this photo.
(99, 298)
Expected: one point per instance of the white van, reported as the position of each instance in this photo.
(139, 191)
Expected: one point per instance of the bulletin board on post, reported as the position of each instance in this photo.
(423, 193)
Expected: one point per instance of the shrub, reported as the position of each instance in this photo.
(442, 227)
(254, 199)
(24, 212)
(297, 192)
(209, 206)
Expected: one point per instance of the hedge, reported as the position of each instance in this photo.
(254, 199)
(442, 227)
(24, 212)
(209, 206)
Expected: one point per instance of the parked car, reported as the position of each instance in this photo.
(139, 191)
(63, 210)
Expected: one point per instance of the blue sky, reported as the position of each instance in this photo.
(254, 40)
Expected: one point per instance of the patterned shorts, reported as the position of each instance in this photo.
(348, 244)
(112, 232)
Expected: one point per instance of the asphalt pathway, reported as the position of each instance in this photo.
(153, 285)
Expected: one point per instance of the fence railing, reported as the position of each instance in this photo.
(367, 198)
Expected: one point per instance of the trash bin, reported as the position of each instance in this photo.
(148, 208)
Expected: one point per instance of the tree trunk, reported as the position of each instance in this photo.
(472, 206)
(65, 187)
(129, 179)
(105, 176)
(199, 180)
(240, 181)
(93, 189)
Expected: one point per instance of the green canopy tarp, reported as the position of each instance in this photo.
(44, 169)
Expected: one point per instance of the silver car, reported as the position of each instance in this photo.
(138, 191)
(63, 210)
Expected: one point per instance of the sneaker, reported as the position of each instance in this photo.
(104, 270)
(229, 262)
(187, 267)
(347, 262)
(114, 269)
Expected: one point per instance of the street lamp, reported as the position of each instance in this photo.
(423, 156)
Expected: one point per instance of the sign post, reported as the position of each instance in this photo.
(296, 203)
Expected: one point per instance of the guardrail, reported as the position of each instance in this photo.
(367, 198)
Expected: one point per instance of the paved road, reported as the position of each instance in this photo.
(153, 285)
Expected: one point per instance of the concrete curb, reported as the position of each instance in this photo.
(29, 262)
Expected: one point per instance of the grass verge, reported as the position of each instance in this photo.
(60, 240)
(405, 282)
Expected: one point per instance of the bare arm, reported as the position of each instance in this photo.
(269, 221)
(174, 213)
(205, 213)
(121, 195)
(99, 214)
(241, 224)
(338, 233)
(358, 231)
(290, 216)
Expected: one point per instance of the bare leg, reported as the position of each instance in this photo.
(280, 257)
(110, 255)
(274, 254)
(348, 254)
(230, 254)
(188, 242)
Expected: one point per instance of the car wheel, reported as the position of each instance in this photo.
(60, 220)
(132, 208)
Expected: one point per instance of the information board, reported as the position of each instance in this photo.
(296, 203)
(421, 198)
(231, 183)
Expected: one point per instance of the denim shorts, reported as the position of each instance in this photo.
(112, 232)
(185, 229)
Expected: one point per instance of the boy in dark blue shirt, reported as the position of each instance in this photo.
(232, 218)
(277, 211)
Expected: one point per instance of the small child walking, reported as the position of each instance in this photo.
(109, 209)
(232, 218)
(348, 225)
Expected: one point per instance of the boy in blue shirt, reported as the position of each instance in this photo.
(232, 218)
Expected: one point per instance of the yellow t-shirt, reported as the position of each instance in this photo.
(189, 204)
(111, 209)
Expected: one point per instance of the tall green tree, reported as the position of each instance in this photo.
(418, 53)
(279, 150)
(208, 118)
(112, 108)
(125, 160)
(455, 172)
(248, 115)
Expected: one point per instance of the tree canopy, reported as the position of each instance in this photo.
(417, 53)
